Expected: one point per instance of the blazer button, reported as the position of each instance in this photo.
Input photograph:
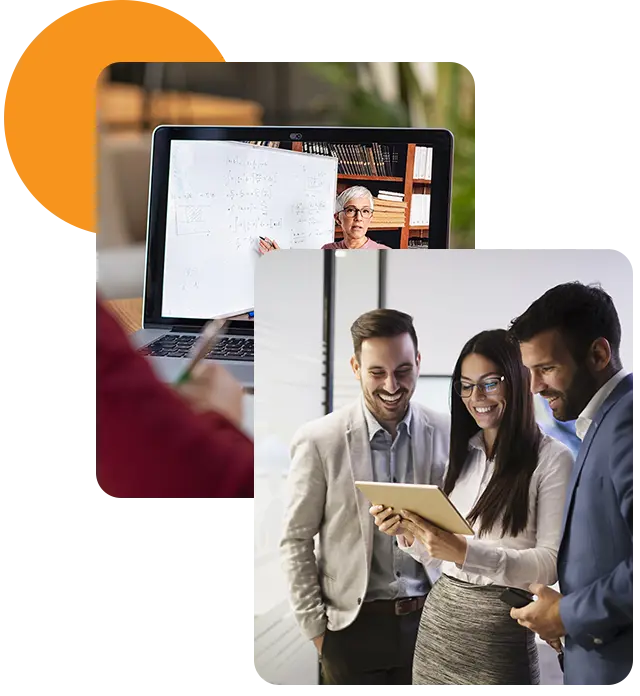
(359, 600)
(597, 641)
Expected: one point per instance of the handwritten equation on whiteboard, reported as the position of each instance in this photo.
(233, 193)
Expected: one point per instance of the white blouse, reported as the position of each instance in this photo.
(513, 561)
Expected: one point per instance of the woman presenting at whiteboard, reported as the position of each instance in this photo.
(353, 212)
(510, 481)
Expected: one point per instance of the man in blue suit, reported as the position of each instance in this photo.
(570, 341)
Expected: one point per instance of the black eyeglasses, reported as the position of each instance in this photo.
(491, 385)
(351, 211)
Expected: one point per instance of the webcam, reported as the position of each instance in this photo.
(295, 136)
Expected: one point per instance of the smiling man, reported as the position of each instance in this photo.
(357, 595)
(570, 341)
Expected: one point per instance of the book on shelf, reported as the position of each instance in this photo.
(422, 163)
(381, 216)
(382, 204)
(379, 159)
(420, 204)
(388, 213)
(357, 159)
(392, 212)
(390, 196)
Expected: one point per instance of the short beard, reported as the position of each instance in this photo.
(378, 411)
(583, 386)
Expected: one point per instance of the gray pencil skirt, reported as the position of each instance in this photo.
(467, 636)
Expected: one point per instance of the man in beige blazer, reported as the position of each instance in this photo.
(355, 594)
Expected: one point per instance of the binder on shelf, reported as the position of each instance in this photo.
(420, 204)
(422, 163)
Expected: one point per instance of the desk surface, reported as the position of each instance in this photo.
(129, 313)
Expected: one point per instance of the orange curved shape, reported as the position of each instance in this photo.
(50, 92)
(50, 108)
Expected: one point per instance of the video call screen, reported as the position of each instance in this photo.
(224, 196)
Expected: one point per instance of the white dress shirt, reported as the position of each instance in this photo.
(392, 574)
(584, 419)
(512, 561)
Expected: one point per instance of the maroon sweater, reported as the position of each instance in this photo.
(150, 444)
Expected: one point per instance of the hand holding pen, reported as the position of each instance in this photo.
(202, 347)
(267, 245)
(206, 385)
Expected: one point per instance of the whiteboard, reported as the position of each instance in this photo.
(222, 197)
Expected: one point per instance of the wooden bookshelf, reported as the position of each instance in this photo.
(420, 234)
(340, 235)
(364, 177)
(408, 187)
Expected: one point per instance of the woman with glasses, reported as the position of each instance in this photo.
(353, 212)
(509, 480)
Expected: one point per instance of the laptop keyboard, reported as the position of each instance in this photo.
(179, 346)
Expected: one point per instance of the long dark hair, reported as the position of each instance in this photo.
(517, 443)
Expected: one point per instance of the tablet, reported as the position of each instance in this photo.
(425, 500)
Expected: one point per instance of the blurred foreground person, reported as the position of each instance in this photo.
(154, 441)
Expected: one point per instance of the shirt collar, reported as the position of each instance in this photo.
(373, 426)
(585, 419)
(477, 442)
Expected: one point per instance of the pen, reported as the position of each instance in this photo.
(268, 241)
(202, 347)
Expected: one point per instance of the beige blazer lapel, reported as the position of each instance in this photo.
(359, 451)
(421, 447)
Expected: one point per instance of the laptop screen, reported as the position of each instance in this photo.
(214, 196)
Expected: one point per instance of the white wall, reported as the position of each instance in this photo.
(356, 292)
(454, 294)
(434, 393)
(289, 342)
(289, 391)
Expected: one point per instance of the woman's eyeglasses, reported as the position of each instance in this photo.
(351, 211)
(488, 386)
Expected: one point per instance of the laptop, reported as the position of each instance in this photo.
(209, 202)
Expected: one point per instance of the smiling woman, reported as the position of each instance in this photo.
(501, 468)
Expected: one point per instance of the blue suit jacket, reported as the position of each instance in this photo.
(595, 564)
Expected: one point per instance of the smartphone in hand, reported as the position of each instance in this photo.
(517, 598)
